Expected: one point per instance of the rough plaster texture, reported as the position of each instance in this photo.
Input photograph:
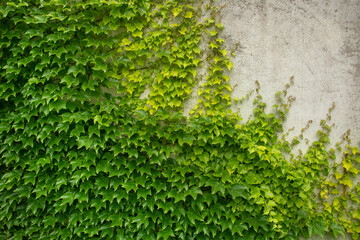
(316, 41)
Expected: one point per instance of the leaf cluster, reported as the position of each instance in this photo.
(85, 154)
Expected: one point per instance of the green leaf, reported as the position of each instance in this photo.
(166, 233)
(338, 175)
(317, 227)
(77, 131)
(347, 164)
(224, 52)
(253, 178)
(194, 191)
(267, 191)
(102, 182)
(130, 185)
(61, 180)
(255, 192)
(192, 216)
(120, 194)
(94, 129)
(98, 203)
(238, 190)
(356, 214)
(204, 157)
(198, 150)
(217, 186)
(337, 229)
(260, 221)
(75, 70)
(58, 105)
(213, 33)
(228, 155)
(176, 11)
(347, 181)
(82, 197)
(115, 183)
(43, 161)
(179, 196)
(238, 227)
(219, 25)
(186, 139)
(229, 64)
(84, 141)
(188, 14)
(143, 193)
(49, 221)
(67, 198)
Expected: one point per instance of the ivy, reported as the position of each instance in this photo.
(94, 142)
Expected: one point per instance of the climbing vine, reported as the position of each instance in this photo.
(95, 144)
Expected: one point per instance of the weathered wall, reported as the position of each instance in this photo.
(316, 41)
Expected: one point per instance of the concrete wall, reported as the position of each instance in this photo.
(316, 41)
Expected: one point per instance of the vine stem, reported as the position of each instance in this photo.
(344, 172)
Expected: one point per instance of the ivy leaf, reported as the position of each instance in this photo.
(224, 52)
(228, 154)
(194, 191)
(347, 181)
(219, 25)
(238, 227)
(102, 182)
(93, 129)
(67, 197)
(255, 192)
(188, 14)
(143, 193)
(338, 175)
(356, 214)
(186, 139)
(337, 229)
(82, 197)
(317, 227)
(198, 150)
(267, 191)
(166, 233)
(204, 157)
(192, 216)
(180, 196)
(58, 105)
(176, 11)
(130, 185)
(213, 33)
(85, 141)
(115, 183)
(77, 131)
(98, 203)
(229, 64)
(220, 40)
(253, 178)
(347, 164)
(49, 221)
(43, 161)
(238, 190)
(120, 194)
(61, 180)
(217, 186)
(75, 70)
(260, 221)
(117, 149)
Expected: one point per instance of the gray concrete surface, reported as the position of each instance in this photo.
(317, 42)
